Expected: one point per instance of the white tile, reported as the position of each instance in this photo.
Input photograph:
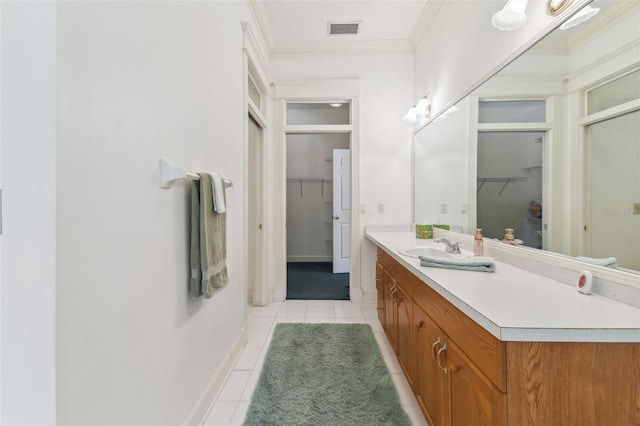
(320, 303)
(415, 415)
(375, 325)
(370, 311)
(320, 320)
(258, 330)
(292, 309)
(260, 361)
(221, 413)
(404, 390)
(251, 386)
(388, 354)
(289, 319)
(240, 414)
(320, 312)
(270, 310)
(351, 321)
(234, 387)
(247, 358)
(346, 309)
(257, 339)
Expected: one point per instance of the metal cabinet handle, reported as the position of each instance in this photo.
(433, 349)
(439, 361)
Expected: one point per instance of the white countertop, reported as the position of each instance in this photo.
(517, 305)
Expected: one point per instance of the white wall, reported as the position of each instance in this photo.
(461, 48)
(138, 81)
(28, 240)
(441, 172)
(385, 140)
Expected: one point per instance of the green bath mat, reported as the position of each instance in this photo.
(325, 374)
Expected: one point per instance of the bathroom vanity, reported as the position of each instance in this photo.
(506, 348)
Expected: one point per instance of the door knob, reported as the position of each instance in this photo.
(336, 217)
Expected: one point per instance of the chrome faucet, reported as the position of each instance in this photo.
(450, 247)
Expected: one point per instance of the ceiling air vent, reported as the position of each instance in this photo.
(339, 28)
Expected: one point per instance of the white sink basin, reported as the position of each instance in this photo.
(426, 251)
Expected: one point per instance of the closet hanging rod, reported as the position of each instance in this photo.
(169, 174)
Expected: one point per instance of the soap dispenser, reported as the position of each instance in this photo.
(478, 248)
(508, 237)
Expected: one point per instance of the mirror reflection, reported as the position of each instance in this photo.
(549, 147)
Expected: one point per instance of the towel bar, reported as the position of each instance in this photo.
(169, 174)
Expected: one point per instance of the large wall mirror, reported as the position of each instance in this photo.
(549, 146)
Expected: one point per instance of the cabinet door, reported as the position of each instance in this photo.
(380, 291)
(404, 307)
(431, 382)
(474, 399)
(389, 324)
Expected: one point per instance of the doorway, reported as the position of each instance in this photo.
(509, 192)
(317, 215)
(612, 193)
(255, 189)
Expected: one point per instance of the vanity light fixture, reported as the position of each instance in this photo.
(447, 113)
(422, 108)
(556, 7)
(511, 17)
(583, 15)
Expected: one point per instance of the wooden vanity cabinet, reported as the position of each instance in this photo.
(404, 315)
(462, 375)
(430, 381)
(450, 388)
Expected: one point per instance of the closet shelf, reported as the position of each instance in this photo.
(506, 180)
(301, 180)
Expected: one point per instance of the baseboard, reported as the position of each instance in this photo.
(200, 411)
(355, 295)
(370, 297)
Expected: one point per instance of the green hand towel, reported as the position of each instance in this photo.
(195, 283)
(213, 241)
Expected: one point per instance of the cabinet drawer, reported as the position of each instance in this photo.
(481, 347)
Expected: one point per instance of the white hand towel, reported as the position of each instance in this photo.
(218, 193)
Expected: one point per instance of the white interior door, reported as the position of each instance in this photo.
(341, 210)
(255, 212)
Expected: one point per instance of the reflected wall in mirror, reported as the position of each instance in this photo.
(550, 146)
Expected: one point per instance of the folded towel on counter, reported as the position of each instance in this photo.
(218, 193)
(213, 241)
(609, 262)
(478, 263)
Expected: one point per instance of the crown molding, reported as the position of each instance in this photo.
(428, 15)
(340, 48)
(259, 16)
(613, 15)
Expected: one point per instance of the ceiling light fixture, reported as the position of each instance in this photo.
(335, 105)
(584, 14)
(511, 17)
(422, 108)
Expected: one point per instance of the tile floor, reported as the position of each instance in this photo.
(232, 403)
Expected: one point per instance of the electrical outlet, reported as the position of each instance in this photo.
(363, 208)
(464, 208)
(444, 208)
(381, 208)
